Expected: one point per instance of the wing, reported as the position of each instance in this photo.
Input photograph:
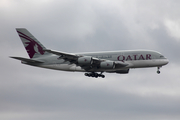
(88, 62)
(63, 55)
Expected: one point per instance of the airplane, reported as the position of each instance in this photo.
(92, 63)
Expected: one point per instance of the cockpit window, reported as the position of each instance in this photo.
(162, 56)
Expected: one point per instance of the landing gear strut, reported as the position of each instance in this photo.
(158, 70)
(93, 74)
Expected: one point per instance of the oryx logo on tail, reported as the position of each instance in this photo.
(31, 44)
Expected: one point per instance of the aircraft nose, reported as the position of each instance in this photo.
(166, 61)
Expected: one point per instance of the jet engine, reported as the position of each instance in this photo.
(86, 60)
(107, 65)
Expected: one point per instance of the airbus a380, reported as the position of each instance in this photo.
(93, 64)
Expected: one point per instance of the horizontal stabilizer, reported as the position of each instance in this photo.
(27, 60)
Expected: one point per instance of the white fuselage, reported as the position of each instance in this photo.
(134, 59)
(110, 61)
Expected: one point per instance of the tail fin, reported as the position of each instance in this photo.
(33, 47)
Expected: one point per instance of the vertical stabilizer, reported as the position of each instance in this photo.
(33, 47)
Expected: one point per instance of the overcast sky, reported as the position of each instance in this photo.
(28, 93)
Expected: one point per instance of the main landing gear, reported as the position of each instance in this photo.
(93, 74)
(158, 70)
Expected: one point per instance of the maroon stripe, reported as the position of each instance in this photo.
(25, 36)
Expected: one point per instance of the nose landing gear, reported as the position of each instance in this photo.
(158, 70)
(93, 74)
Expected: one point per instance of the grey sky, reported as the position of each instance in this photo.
(83, 26)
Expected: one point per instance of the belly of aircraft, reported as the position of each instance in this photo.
(147, 63)
(132, 64)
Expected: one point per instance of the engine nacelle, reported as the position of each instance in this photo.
(86, 60)
(107, 65)
(123, 71)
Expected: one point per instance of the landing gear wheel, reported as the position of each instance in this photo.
(158, 71)
(93, 74)
(103, 76)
